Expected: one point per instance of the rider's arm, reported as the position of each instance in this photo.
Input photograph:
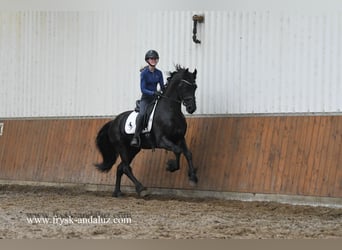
(143, 86)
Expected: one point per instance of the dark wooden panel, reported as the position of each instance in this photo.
(280, 155)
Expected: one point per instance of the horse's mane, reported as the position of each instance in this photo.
(179, 69)
(175, 75)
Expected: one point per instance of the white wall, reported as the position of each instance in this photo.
(82, 58)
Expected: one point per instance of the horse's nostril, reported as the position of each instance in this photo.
(191, 109)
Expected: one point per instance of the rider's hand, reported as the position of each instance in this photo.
(158, 93)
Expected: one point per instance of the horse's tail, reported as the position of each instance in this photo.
(106, 148)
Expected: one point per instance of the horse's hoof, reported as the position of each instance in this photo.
(144, 193)
(192, 183)
(139, 189)
(118, 194)
(172, 166)
(193, 180)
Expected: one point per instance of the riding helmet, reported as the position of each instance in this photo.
(151, 54)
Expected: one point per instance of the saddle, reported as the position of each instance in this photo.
(130, 123)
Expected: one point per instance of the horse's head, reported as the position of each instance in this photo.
(187, 88)
(185, 84)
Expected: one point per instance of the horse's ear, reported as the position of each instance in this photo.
(187, 70)
(195, 73)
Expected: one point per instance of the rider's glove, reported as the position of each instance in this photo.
(158, 93)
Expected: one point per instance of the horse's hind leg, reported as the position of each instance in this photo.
(119, 172)
(138, 186)
(124, 168)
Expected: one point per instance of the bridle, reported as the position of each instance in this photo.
(187, 82)
(184, 99)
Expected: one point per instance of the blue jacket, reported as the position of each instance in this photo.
(149, 81)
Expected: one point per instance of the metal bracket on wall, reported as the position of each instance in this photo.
(196, 19)
(1, 128)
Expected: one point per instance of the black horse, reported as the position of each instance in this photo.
(168, 131)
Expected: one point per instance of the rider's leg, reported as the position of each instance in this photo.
(139, 122)
(136, 138)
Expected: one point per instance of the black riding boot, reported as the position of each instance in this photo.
(136, 138)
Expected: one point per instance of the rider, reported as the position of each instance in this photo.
(150, 77)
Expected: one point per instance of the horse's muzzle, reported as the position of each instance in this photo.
(190, 106)
(191, 110)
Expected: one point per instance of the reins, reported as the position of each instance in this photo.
(171, 99)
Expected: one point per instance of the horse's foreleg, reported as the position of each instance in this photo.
(188, 155)
(178, 149)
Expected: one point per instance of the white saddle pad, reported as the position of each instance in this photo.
(130, 124)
